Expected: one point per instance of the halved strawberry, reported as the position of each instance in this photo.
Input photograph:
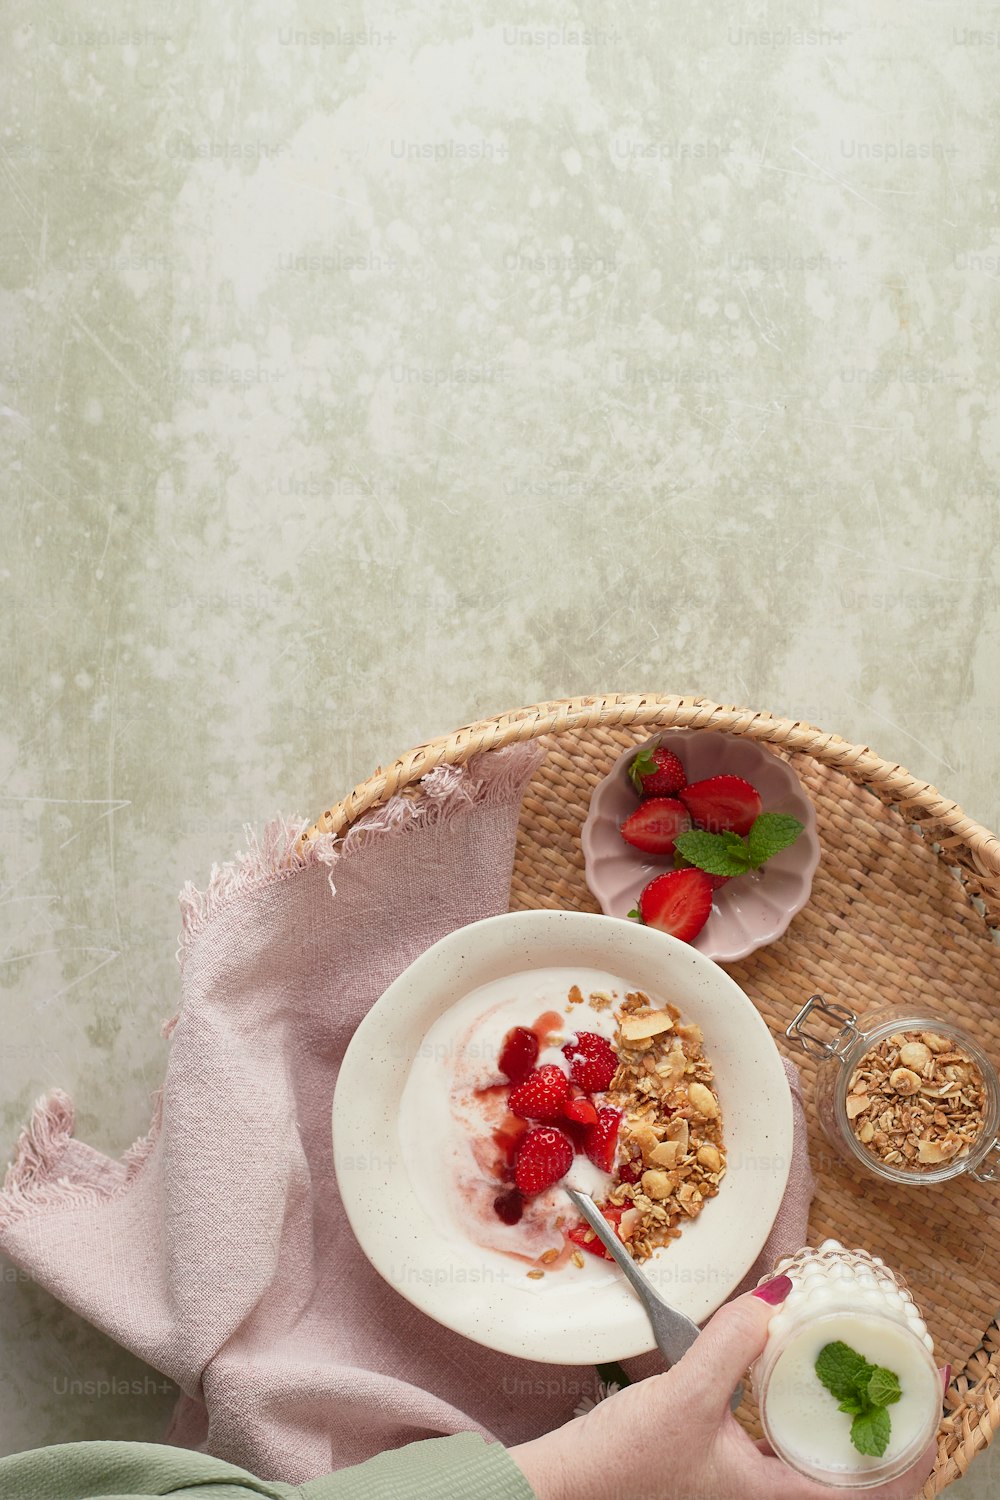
(540, 1096)
(717, 881)
(655, 824)
(679, 902)
(518, 1054)
(580, 1111)
(601, 1139)
(592, 1060)
(657, 773)
(544, 1155)
(722, 804)
(578, 1234)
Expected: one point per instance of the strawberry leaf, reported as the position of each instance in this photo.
(643, 765)
(771, 833)
(635, 915)
(715, 853)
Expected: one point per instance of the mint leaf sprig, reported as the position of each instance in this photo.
(863, 1391)
(729, 854)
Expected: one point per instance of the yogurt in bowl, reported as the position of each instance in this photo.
(453, 1111)
(626, 1096)
(405, 1154)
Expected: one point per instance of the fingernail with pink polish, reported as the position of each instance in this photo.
(775, 1290)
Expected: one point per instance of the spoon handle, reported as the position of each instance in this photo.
(674, 1331)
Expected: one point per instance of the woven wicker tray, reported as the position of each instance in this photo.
(902, 904)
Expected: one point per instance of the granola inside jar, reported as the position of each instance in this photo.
(914, 1099)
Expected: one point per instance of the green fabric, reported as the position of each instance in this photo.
(129, 1471)
(452, 1468)
(463, 1467)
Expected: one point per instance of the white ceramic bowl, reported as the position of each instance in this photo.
(439, 1270)
(747, 912)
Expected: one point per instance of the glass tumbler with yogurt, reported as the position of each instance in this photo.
(852, 1297)
(843, 1050)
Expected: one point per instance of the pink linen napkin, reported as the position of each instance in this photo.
(216, 1249)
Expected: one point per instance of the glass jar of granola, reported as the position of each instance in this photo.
(906, 1094)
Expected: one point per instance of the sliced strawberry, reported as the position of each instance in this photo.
(541, 1095)
(544, 1155)
(679, 902)
(580, 1112)
(592, 1060)
(722, 804)
(578, 1234)
(655, 824)
(518, 1054)
(576, 1130)
(601, 1139)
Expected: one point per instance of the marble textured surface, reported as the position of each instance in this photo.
(365, 373)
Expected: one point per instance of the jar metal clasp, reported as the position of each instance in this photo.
(811, 1041)
(988, 1168)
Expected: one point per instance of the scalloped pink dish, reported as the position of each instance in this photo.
(747, 913)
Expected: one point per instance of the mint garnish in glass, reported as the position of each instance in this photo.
(863, 1392)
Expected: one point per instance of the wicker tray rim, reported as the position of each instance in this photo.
(972, 850)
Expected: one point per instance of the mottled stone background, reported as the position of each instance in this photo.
(368, 372)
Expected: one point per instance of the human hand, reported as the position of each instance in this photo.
(673, 1437)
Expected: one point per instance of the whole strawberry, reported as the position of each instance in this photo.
(544, 1155)
(592, 1061)
(657, 773)
(541, 1095)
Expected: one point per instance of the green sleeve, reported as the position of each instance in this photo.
(462, 1467)
(129, 1471)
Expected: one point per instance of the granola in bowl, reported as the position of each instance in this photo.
(672, 1152)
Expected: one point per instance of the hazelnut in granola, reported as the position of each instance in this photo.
(916, 1101)
(672, 1157)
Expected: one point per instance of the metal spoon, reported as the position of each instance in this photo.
(674, 1331)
